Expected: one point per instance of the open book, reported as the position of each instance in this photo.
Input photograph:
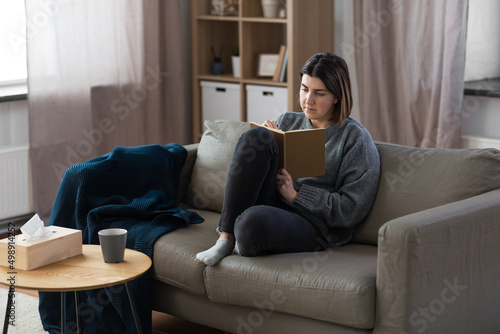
(302, 152)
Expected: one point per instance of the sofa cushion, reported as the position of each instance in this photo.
(337, 285)
(415, 179)
(215, 152)
(174, 254)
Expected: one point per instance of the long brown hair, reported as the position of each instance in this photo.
(333, 71)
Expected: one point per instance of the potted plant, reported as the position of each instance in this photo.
(235, 60)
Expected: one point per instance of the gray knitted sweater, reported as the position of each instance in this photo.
(335, 202)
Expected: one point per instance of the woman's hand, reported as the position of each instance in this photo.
(270, 124)
(285, 185)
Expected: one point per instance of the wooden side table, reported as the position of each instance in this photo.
(82, 272)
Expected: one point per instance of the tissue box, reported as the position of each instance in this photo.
(18, 253)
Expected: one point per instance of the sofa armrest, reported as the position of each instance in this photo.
(439, 269)
(187, 169)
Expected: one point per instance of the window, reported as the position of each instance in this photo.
(12, 42)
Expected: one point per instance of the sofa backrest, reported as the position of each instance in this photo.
(415, 179)
(215, 152)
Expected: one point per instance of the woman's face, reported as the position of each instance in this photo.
(316, 101)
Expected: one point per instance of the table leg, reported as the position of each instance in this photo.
(134, 309)
(78, 313)
(63, 313)
(7, 312)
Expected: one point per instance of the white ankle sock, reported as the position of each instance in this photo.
(236, 249)
(221, 249)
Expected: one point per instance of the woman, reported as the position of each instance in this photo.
(265, 210)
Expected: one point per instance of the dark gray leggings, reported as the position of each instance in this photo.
(253, 210)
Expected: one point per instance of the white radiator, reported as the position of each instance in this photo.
(480, 142)
(15, 182)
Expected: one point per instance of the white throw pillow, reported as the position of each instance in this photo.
(215, 152)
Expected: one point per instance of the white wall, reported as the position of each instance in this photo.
(14, 123)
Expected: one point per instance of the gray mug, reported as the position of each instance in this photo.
(113, 241)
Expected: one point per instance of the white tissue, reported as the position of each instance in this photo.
(35, 229)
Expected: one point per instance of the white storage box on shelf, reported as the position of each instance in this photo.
(220, 100)
(265, 102)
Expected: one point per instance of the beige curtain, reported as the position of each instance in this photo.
(103, 73)
(410, 61)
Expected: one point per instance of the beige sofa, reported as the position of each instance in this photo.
(425, 260)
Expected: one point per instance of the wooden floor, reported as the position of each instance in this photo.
(161, 321)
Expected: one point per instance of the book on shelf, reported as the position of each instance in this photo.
(279, 72)
(301, 152)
